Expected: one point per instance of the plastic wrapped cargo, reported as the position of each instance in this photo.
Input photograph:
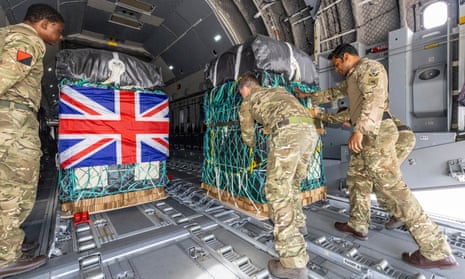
(222, 69)
(107, 67)
(261, 53)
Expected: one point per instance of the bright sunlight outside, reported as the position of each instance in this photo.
(435, 15)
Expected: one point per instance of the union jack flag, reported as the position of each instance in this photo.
(107, 126)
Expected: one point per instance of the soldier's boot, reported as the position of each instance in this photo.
(394, 223)
(278, 270)
(27, 247)
(303, 230)
(345, 228)
(418, 260)
(23, 264)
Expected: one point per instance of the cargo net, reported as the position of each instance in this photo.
(98, 181)
(232, 166)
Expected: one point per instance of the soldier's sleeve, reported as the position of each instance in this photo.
(398, 122)
(247, 124)
(374, 94)
(18, 56)
(342, 116)
(330, 94)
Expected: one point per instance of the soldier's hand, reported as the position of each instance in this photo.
(314, 111)
(355, 142)
(300, 94)
(346, 124)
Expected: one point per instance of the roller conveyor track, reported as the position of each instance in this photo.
(190, 235)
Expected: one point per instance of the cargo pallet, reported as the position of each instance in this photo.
(111, 202)
(256, 209)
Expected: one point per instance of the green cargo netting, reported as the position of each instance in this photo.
(98, 181)
(229, 164)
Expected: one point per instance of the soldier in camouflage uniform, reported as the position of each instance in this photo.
(22, 49)
(374, 159)
(292, 140)
(404, 145)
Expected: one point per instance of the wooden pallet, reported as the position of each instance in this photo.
(111, 202)
(255, 209)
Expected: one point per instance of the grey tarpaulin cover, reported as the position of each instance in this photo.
(266, 54)
(221, 69)
(105, 66)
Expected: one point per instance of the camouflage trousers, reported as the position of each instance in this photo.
(289, 155)
(19, 172)
(405, 141)
(404, 145)
(377, 168)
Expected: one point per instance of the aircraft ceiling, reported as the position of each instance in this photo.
(181, 33)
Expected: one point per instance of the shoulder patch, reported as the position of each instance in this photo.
(24, 58)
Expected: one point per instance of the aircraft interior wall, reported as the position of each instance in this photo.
(190, 234)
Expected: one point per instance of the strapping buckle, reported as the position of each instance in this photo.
(290, 120)
(386, 115)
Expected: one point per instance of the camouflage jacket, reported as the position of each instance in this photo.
(366, 84)
(343, 116)
(267, 106)
(336, 118)
(21, 66)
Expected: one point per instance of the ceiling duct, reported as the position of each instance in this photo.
(125, 21)
(96, 40)
(136, 5)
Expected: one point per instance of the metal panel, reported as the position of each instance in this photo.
(158, 40)
(333, 139)
(201, 48)
(429, 98)
(400, 81)
(427, 167)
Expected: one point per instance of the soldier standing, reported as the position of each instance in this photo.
(22, 49)
(292, 140)
(374, 159)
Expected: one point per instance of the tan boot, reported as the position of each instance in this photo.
(277, 270)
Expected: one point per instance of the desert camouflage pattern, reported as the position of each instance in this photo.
(20, 82)
(366, 85)
(289, 154)
(267, 106)
(404, 144)
(406, 141)
(340, 117)
(378, 162)
(19, 172)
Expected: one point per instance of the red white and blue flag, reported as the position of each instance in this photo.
(107, 126)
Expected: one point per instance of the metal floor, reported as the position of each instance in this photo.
(189, 235)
